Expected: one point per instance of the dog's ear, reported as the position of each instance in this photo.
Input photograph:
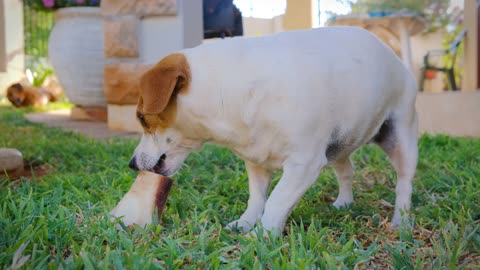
(162, 82)
(17, 86)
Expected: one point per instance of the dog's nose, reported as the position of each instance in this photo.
(133, 164)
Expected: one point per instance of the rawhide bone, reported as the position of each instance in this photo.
(163, 190)
(149, 190)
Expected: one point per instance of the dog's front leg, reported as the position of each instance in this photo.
(258, 181)
(296, 179)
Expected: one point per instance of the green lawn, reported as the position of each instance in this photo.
(60, 219)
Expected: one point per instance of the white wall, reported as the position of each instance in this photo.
(12, 26)
(254, 27)
(162, 35)
(159, 36)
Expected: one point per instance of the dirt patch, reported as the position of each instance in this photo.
(31, 170)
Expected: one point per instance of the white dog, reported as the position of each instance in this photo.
(294, 101)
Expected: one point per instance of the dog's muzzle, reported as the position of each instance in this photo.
(17, 101)
(133, 164)
(158, 168)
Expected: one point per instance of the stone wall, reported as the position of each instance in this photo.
(137, 34)
(121, 44)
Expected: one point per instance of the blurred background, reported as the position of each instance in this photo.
(95, 51)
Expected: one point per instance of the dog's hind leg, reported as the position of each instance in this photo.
(344, 171)
(258, 181)
(399, 140)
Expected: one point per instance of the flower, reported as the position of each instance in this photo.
(56, 4)
(48, 3)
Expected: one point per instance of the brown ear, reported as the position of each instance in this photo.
(18, 86)
(159, 84)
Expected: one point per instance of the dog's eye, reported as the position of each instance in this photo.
(169, 140)
(141, 118)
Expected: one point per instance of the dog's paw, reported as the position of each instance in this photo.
(400, 221)
(239, 225)
(340, 203)
(252, 234)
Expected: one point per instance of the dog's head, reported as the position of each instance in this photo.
(16, 94)
(163, 148)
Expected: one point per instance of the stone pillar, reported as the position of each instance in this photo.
(3, 52)
(138, 33)
(470, 69)
(12, 67)
(299, 15)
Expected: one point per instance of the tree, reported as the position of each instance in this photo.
(437, 13)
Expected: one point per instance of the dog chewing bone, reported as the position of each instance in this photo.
(149, 190)
(293, 102)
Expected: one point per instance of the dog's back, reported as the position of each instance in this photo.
(308, 85)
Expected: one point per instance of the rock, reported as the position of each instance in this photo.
(11, 160)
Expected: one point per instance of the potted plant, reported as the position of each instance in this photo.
(75, 49)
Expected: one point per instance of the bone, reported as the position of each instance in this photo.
(163, 190)
(149, 190)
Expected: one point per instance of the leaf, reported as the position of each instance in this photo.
(18, 259)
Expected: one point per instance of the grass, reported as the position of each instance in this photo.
(59, 221)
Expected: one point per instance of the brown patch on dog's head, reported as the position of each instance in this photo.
(159, 87)
(16, 94)
(151, 122)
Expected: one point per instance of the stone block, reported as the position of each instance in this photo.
(120, 37)
(156, 7)
(121, 82)
(89, 113)
(140, 8)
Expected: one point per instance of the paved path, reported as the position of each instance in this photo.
(93, 129)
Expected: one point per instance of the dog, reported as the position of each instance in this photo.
(21, 96)
(294, 101)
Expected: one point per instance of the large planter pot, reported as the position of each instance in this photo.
(75, 49)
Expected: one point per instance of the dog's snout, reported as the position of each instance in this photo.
(133, 164)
